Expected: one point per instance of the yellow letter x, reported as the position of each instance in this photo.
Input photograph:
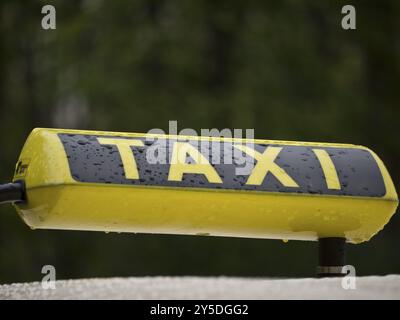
(265, 164)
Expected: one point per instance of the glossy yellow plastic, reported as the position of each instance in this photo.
(56, 201)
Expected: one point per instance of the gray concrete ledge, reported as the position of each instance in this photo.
(371, 287)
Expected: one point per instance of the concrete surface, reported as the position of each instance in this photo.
(372, 287)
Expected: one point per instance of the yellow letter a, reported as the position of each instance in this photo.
(179, 165)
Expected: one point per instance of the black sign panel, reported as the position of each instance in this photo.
(357, 172)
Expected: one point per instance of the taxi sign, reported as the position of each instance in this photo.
(149, 183)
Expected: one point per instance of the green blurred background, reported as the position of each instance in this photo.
(285, 68)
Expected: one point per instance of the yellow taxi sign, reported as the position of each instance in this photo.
(128, 182)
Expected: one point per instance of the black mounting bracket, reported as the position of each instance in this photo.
(331, 252)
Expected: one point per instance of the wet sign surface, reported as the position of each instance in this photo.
(174, 184)
(190, 163)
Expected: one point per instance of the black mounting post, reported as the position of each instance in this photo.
(331, 257)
